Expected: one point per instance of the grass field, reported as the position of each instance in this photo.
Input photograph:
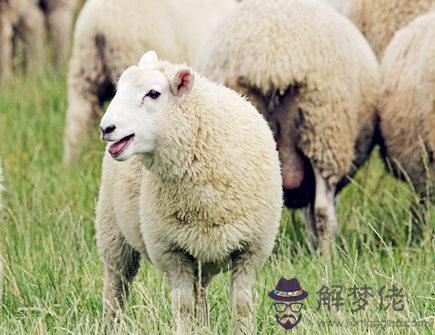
(54, 277)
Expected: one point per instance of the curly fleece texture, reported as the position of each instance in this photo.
(211, 187)
(407, 111)
(281, 44)
(380, 19)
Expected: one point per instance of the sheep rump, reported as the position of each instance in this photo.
(407, 107)
(335, 86)
(314, 77)
(378, 20)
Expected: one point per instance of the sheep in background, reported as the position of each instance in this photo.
(407, 107)
(20, 19)
(110, 35)
(7, 16)
(201, 193)
(59, 20)
(380, 19)
(27, 20)
(315, 79)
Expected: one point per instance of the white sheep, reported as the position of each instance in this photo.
(20, 19)
(27, 20)
(201, 193)
(380, 19)
(407, 106)
(110, 35)
(315, 78)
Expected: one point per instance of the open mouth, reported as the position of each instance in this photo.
(118, 147)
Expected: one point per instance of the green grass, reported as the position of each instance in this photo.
(53, 274)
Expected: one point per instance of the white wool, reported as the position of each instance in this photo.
(208, 195)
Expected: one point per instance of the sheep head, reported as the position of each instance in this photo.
(136, 115)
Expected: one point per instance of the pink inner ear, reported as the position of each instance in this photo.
(184, 78)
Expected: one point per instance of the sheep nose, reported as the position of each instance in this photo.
(107, 130)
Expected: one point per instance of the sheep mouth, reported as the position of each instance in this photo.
(117, 148)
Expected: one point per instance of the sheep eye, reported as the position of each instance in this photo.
(153, 94)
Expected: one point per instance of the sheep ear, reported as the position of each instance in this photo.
(181, 83)
(148, 59)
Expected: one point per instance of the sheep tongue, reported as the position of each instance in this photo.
(116, 148)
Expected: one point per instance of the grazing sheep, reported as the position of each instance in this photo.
(380, 19)
(314, 77)
(203, 188)
(20, 19)
(407, 108)
(110, 35)
(7, 15)
(27, 20)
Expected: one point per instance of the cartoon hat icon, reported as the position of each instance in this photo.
(288, 290)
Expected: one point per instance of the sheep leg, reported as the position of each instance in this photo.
(60, 25)
(119, 274)
(245, 266)
(310, 227)
(324, 213)
(87, 79)
(201, 305)
(6, 50)
(33, 35)
(121, 261)
(180, 274)
(81, 117)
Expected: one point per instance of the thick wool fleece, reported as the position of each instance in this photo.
(110, 35)
(208, 198)
(304, 46)
(380, 19)
(407, 110)
(212, 186)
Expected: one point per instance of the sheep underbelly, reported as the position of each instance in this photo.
(207, 244)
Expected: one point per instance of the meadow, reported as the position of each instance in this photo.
(54, 276)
